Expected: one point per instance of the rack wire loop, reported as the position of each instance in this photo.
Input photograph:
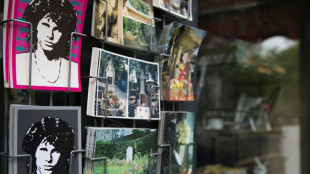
(150, 161)
(169, 146)
(6, 155)
(30, 50)
(70, 56)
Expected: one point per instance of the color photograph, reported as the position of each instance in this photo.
(183, 44)
(179, 132)
(140, 10)
(138, 34)
(113, 20)
(127, 150)
(115, 69)
(142, 76)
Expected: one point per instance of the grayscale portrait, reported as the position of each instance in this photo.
(49, 135)
(49, 142)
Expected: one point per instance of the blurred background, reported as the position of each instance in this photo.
(252, 87)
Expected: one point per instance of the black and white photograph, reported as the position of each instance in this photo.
(48, 134)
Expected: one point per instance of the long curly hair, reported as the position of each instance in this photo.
(55, 131)
(62, 13)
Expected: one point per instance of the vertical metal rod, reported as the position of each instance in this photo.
(106, 21)
(187, 150)
(134, 121)
(150, 161)
(163, 108)
(71, 155)
(150, 100)
(169, 91)
(188, 81)
(106, 98)
(6, 123)
(51, 98)
(164, 21)
(70, 57)
(70, 60)
(30, 62)
(188, 8)
(169, 164)
(102, 122)
(5, 154)
(169, 6)
(151, 26)
(29, 97)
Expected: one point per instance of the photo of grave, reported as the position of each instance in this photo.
(115, 69)
(142, 76)
(126, 150)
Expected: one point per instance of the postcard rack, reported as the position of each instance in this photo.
(7, 156)
(30, 56)
(151, 51)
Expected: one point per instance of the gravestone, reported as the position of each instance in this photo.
(129, 154)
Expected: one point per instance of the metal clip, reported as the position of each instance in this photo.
(70, 56)
(6, 155)
(30, 51)
(151, 95)
(150, 161)
(169, 146)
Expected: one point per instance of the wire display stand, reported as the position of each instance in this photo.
(6, 155)
(169, 146)
(150, 161)
(153, 88)
(86, 158)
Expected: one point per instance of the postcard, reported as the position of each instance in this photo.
(142, 76)
(48, 134)
(181, 47)
(127, 150)
(125, 87)
(177, 130)
(109, 24)
(128, 23)
(178, 8)
(51, 67)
